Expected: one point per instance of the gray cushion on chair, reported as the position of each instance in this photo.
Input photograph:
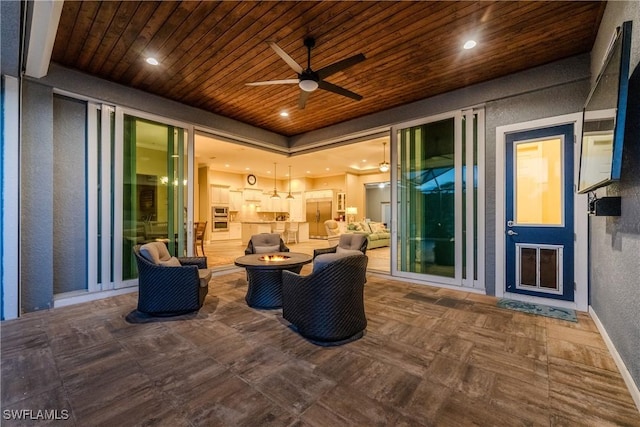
(155, 252)
(266, 239)
(351, 241)
(205, 276)
(321, 261)
(346, 252)
(266, 249)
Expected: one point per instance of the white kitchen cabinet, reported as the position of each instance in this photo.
(303, 232)
(296, 212)
(219, 195)
(319, 194)
(251, 228)
(235, 200)
(235, 230)
(219, 235)
(251, 196)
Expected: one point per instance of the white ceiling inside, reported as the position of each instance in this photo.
(358, 158)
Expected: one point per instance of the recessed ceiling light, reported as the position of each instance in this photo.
(328, 169)
(226, 166)
(364, 160)
(247, 169)
(308, 171)
(152, 61)
(470, 44)
(284, 114)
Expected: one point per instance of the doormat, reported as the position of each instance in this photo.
(539, 309)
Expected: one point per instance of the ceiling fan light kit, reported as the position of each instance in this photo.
(309, 80)
(308, 85)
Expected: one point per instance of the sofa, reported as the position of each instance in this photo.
(377, 234)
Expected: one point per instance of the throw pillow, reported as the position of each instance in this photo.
(365, 227)
(354, 226)
(377, 227)
(155, 252)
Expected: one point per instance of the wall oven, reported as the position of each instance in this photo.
(220, 218)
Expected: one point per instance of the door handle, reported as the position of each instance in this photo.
(512, 233)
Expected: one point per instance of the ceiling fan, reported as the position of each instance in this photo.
(309, 80)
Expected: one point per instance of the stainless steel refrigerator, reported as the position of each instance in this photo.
(317, 214)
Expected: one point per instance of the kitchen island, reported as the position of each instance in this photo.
(249, 228)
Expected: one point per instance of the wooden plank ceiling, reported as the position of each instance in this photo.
(209, 50)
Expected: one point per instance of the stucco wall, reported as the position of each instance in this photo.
(86, 85)
(10, 38)
(36, 198)
(614, 253)
(69, 215)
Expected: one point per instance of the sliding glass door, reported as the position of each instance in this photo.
(153, 188)
(436, 200)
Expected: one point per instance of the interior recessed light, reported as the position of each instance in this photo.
(284, 114)
(226, 166)
(247, 169)
(364, 160)
(308, 171)
(470, 44)
(152, 61)
(328, 169)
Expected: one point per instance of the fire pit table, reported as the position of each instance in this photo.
(264, 276)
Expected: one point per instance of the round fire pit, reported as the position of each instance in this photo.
(274, 258)
(264, 276)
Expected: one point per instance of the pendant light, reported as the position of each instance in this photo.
(275, 194)
(290, 196)
(384, 166)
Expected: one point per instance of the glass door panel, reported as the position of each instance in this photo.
(538, 186)
(427, 199)
(154, 183)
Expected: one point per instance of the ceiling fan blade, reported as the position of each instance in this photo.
(340, 65)
(284, 55)
(339, 90)
(274, 82)
(302, 101)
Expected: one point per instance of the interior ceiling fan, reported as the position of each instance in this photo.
(309, 80)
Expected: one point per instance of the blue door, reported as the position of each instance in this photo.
(539, 212)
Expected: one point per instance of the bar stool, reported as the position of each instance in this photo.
(279, 228)
(292, 231)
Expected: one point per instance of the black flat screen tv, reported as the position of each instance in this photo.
(604, 117)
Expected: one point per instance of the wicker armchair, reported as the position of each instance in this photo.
(348, 243)
(327, 306)
(264, 243)
(166, 288)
